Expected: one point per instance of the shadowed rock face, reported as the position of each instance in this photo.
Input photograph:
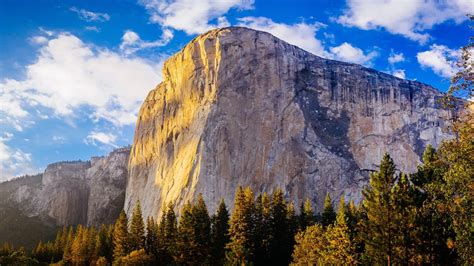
(241, 107)
(90, 192)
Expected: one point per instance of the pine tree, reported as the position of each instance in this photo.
(89, 241)
(202, 230)
(120, 236)
(137, 229)
(242, 228)
(407, 241)
(262, 214)
(186, 244)
(340, 249)
(67, 254)
(101, 245)
(329, 215)
(306, 214)
(279, 250)
(380, 229)
(220, 233)
(433, 223)
(292, 220)
(77, 252)
(151, 240)
(167, 236)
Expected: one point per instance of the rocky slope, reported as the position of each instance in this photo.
(90, 192)
(241, 107)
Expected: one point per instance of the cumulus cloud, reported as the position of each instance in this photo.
(399, 73)
(38, 40)
(300, 34)
(131, 41)
(347, 52)
(190, 16)
(69, 74)
(440, 59)
(90, 16)
(409, 18)
(13, 162)
(395, 58)
(101, 137)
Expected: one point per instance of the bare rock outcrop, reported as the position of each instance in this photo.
(242, 107)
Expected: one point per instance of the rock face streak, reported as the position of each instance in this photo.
(90, 192)
(241, 107)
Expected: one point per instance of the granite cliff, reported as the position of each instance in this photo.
(79, 192)
(242, 107)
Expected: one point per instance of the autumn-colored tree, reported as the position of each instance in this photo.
(242, 228)
(340, 249)
(309, 246)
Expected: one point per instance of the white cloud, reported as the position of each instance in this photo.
(131, 41)
(92, 28)
(13, 162)
(39, 40)
(395, 58)
(399, 73)
(410, 18)
(190, 16)
(90, 16)
(440, 59)
(302, 34)
(104, 138)
(69, 74)
(348, 53)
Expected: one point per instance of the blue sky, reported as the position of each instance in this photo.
(73, 74)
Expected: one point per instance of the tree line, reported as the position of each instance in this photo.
(422, 218)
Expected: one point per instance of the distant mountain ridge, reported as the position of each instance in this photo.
(67, 193)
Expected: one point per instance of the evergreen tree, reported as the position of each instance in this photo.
(380, 228)
(78, 249)
(167, 236)
(329, 215)
(407, 240)
(67, 254)
(306, 214)
(137, 229)
(262, 233)
(151, 240)
(340, 249)
(279, 242)
(433, 223)
(292, 220)
(102, 246)
(202, 230)
(220, 233)
(120, 236)
(242, 228)
(186, 244)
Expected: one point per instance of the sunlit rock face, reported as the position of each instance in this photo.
(241, 107)
(90, 192)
